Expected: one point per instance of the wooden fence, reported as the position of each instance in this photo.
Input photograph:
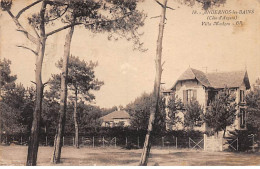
(170, 142)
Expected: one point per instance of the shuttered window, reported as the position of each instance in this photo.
(188, 95)
(185, 97)
(242, 96)
(195, 94)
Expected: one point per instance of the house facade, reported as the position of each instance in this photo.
(203, 87)
(116, 118)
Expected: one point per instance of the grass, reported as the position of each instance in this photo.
(85, 156)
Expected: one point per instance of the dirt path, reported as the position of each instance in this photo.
(16, 155)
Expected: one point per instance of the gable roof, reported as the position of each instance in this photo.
(193, 74)
(216, 80)
(116, 115)
(201, 77)
(232, 79)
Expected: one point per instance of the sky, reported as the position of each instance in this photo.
(128, 73)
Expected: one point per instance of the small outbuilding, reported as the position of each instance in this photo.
(116, 118)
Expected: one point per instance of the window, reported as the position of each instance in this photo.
(211, 96)
(232, 92)
(242, 96)
(242, 118)
(188, 95)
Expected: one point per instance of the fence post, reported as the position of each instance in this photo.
(63, 141)
(176, 142)
(237, 144)
(253, 143)
(103, 142)
(138, 142)
(46, 140)
(204, 141)
(73, 141)
(189, 142)
(125, 141)
(163, 141)
(93, 141)
(115, 142)
(221, 144)
(82, 139)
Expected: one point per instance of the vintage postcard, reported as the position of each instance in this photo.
(129, 82)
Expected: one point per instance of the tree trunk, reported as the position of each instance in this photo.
(34, 137)
(1, 129)
(63, 98)
(156, 93)
(35, 130)
(76, 120)
(224, 132)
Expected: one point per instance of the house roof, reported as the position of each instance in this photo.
(228, 79)
(193, 74)
(167, 91)
(116, 115)
(216, 80)
(201, 77)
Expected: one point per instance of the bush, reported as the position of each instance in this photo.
(245, 143)
(131, 146)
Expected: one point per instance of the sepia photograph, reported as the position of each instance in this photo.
(129, 83)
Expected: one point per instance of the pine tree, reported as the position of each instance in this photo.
(81, 80)
(221, 111)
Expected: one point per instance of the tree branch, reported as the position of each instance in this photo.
(60, 15)
(34, 82)
(27, 7)
(62, 28)
(80, 23)
(163, 63)
(44, 84)
(155, 17)
(160, 3)
(170, 8)
(163, 5)
(34, 52)
(35, 31)
(21, 29)
(52, 2)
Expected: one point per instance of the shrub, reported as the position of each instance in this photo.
(245, 143)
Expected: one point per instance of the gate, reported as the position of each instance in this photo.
(234, 144)
(196, 144)
(212, 143)
(252, 139)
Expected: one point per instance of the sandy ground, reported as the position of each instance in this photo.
(16, 155)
